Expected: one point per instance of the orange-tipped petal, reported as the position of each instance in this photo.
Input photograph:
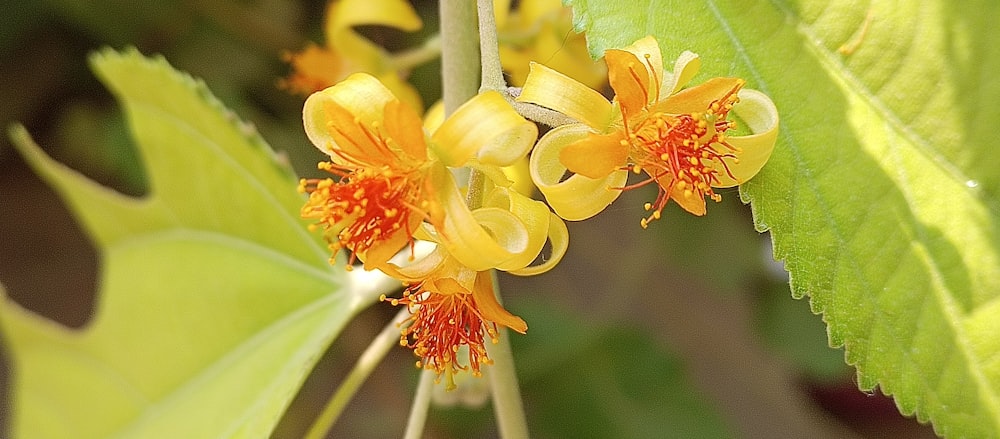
(577, 197)
(406, 129)
(697, 99)
(647, 50)
(490, 309)
(759, 113)
(629, 77)
(359, 99)
(691, 201)
(595, 156)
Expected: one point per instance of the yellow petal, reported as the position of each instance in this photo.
(578, 197)
(759, 113)
(629, 77)
(596, 155)
(434, 117)
(518, 174)
(501, 10)
(534, 215)
(342, 16)
(404, 127)
(553, 90)
(697, 99)
(485, 128)
(647, 48)
(490, 309)
(417, 270)
(480, 240)
(558, 237)
(685, 68)
(382, 250)
(363, 96)
(402, 90)
(690, 201)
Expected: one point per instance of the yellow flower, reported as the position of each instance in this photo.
(453, 304)
(542, 31)
(394, 183)
(346, 52)
(452, 307)
(680, 138)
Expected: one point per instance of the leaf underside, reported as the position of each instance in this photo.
(214, 300)
(882, 195)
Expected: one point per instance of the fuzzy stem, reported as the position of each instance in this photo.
(492, 71)
(507, 405)
(421, 403)
(366, 363)
(459, 53)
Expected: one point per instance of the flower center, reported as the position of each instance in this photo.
(365, 207)
(440, 324)
(682, 153)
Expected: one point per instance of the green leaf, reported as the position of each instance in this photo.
(214, 299)
(882, 193)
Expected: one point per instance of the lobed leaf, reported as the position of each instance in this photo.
(882, 194)
(214, 300)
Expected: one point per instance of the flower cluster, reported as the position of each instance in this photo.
(393, 181)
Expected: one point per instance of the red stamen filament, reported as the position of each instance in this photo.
(439, 325)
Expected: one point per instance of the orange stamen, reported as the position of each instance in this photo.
(365, 207)
(439, 325)
(682, 152)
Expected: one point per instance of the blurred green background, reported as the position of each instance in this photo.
(683, 330)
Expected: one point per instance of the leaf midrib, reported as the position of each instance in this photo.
(231, 356)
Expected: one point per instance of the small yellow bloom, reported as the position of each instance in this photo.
(452, 307)
(680, 138)
(394, 184)
(542, 31)
(346, 52)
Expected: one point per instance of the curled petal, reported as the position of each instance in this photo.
(434, 117)
(342, 16)
(534, 215)
(362, 97)
(759, 113)
(578, 197)
(518, 174)
(480, 240)
(419, 269)
(558, 237)
(486, 129)
(685, 68)
(553, 90)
